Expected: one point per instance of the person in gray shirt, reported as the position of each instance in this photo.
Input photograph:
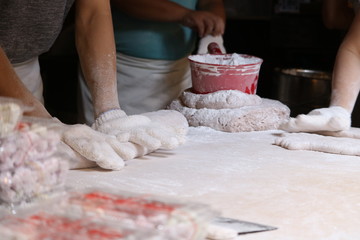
(29, 28)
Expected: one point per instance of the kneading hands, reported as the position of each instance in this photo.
(116, 137)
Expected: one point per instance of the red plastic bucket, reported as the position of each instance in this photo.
(224, 75)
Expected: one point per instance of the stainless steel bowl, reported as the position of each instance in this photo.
(302, 89)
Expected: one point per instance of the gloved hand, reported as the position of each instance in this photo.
(204, 42)
(87, 144)
(204, 23)
(323, 119)
(137, 129)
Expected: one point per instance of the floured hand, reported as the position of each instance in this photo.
(137, 129)
(87, 144)
(173, 120)
(323, 119)
(315, 142)
(86, 147)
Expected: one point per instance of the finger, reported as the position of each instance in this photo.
(167, 138)
(208, 26)
(92, 145)
(142, 138)
(218, 28)
(200, 27)
(126, 150)
(123, 136)
(122, 124)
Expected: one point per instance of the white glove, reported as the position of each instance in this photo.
(137, 129)
(323, 119)
(88, 144)
(173, 120)
(204, 42)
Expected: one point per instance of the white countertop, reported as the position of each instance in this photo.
(305, 194)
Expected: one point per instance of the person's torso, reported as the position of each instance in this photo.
(29, 28)
(151, 39)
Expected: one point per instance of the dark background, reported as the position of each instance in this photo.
(285, 34)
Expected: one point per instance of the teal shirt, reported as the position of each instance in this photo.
(151, 39)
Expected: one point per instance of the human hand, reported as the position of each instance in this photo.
(137, 129)
(205, 41)
(83, 145)
(323, 119)
(205, 23)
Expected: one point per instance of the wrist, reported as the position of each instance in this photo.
(109, 115)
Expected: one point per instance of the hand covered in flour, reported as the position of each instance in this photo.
(323, 119)
(137, 129)
(205, 41)
(83, 144)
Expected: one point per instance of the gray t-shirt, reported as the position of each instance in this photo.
(29, 28)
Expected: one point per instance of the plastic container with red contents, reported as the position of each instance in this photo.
(45, 226)
(172, 220)
(216, 72)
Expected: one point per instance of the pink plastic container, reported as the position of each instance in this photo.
(224, 74)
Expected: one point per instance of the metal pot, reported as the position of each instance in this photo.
(302, 89)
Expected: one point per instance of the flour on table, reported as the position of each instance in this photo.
(320, 143)
(265, 116)
(219, 99)
(323, 119)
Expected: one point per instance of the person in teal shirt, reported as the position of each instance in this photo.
(336, 118)
(153, 40)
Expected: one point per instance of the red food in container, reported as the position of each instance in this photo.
(224, 74)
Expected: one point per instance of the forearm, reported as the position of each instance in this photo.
(157, 10)
(96, 49)
(346, 79)
(346, 75)
(11, 86)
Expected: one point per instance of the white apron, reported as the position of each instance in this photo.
(29, 74)
(144, 85)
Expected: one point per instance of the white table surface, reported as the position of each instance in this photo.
(307, 195)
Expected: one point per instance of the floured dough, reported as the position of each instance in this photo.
(219, 99)
(323, 119)
(267, 115)
(316, 142)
